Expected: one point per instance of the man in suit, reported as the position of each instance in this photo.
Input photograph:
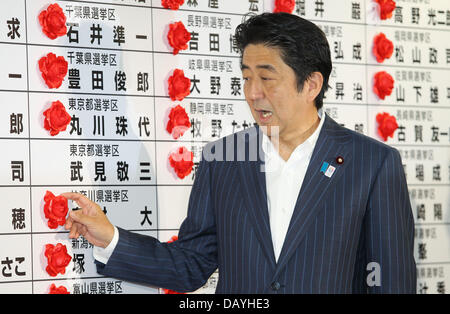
(296, 204)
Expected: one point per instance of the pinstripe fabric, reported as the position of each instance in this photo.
(361, 214)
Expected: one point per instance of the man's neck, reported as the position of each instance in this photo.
(288, 142)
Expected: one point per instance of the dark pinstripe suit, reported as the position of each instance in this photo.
(361, 214)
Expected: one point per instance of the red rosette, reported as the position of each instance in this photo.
(58, 290)
(383, 84)
(382, 47)
(53, 21)
(178, 122)
(55, 209)
(168, 291)
(387, 125)
(173, 239)
(57, 258)
(56, 118)
(181, 161)
(386, 8)
(179, 85)
(178, 37)
(53, 70)
(286, 6)
(172, 4)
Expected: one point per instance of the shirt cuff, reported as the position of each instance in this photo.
(103, 254)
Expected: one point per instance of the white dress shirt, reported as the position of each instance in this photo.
(283, 182)
(103, 254)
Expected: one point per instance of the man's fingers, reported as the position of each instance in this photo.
(82, 230)
(74, 231)
(68, 223)
(77, 230)
(78, 217)
(88, 221)
(81, 200)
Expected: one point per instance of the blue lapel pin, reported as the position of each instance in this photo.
(324, 167)
(327, 169)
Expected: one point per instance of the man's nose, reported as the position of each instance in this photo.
(254, 90)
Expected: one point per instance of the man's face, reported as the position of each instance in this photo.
(270, 88)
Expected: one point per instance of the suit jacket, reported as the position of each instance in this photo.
(352, 232)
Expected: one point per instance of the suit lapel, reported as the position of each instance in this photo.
(333, 141)
(254, 192)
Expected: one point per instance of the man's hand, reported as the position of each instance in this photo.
(89, 221)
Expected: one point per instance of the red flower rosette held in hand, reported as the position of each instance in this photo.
(53, 70)
(382, 47)
(387, 125)
(58, 290)
(172, 4)
(178, 122)
(58, 259)
(53, 21)
(178, 37)
(182, 161)
(286, 6)
(386, 8)
(179, 85)
(383, 84)
(55, 209)
(56, 118)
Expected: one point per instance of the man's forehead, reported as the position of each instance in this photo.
(268, 67)
(258, 56)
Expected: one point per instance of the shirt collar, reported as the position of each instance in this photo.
(270, 151)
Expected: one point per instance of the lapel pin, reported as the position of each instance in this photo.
(330, 171)
(324, 167)
(339, 160)
(327, 169)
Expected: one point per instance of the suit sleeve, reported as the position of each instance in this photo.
(385, 261)
(184, 265)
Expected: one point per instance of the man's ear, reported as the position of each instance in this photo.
(313, 85)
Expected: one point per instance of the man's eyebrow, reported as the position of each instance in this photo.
(244, 67)
(268, 67)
